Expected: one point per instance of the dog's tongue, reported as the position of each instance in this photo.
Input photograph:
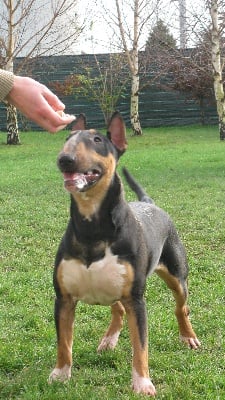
(74, 181)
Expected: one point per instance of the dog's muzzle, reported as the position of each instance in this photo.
(75, 180)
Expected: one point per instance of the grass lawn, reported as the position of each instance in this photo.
(183, 169)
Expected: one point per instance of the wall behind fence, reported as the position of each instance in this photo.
(156, 107)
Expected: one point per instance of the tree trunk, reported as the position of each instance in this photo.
(12, 125)
(222, 129)
(134, 106)
(217, 68)
(134, 68)
(133, 62)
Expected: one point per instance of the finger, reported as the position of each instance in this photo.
(56, 115)
(55, 124)
(59, 128)
(48, 126)
(66, 119)
(53, 100)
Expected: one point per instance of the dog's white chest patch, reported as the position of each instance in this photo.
(101, 283)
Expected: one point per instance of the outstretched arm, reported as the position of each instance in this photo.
(36, 102)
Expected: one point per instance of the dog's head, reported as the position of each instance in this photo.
(88, 157)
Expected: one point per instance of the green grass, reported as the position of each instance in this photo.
(183, 169)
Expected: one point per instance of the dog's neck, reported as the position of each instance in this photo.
(91, 218)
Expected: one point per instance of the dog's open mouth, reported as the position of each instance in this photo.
(80, 182)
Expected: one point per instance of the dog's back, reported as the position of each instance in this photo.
(156, 224)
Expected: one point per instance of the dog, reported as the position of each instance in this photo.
(109, 249)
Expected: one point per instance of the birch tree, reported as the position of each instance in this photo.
(139, 8)
(140, 12)
(31, 28)
(216, 9)
(208, 16)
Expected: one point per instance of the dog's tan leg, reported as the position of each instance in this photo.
(180, 293)
(64, 318)
(136, 317)
(111, 336)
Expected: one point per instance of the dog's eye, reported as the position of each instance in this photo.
(97, 139)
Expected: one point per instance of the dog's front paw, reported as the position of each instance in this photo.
(193, 343)
(108, 342)
(143, 385)
(60, 374)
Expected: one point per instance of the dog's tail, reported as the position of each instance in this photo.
(141, 195)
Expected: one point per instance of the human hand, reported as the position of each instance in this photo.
(38, 104)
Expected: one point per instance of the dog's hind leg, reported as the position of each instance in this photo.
(180, 293)
(111, 336)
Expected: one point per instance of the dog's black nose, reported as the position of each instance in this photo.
(66, 163)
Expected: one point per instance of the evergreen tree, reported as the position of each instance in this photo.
(160, 38)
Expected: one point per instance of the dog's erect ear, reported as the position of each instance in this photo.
(116, 132)
(80, 123)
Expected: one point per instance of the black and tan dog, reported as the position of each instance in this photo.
(109, 249)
